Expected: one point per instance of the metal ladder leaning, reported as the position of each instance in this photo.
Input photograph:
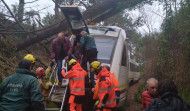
(58, 93)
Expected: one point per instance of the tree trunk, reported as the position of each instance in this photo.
(56, 9)
(20, 10)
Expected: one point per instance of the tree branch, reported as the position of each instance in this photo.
(12, 14)
(83, 4)
(31, 1)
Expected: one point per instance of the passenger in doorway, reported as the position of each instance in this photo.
(150, 93)
(21, 91)
(106, 89)
(44, 85)
(169, 99)
(60, 49)
(89, 52)
(76, 76)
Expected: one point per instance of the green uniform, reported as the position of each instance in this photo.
(87, 42)
(21, 92)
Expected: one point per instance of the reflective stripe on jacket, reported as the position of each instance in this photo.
(76, 78)
(106, 86)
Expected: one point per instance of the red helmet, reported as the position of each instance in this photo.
(40, 71)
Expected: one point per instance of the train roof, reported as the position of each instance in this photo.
(112, 31)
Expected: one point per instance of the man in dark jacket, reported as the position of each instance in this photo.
(21, 91)
(169, 101)
(60, 49)
(89, 51)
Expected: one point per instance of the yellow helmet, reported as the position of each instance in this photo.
(30, 57)
(72, 61)
(95, 65)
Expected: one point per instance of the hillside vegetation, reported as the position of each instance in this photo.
(9, 57)
(167, 54)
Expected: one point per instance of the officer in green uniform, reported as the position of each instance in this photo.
(21, 91)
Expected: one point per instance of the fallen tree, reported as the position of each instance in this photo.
(97, 13)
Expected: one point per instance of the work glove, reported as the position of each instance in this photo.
(48, 85)
(96, 103)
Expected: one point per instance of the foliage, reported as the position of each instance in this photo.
(138, 94)
(48, 19)
(174, 48)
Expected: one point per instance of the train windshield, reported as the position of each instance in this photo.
(105, 47)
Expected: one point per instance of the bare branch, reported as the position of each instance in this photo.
(83, 4)
(40, 24)
(6, 15)
(16, 23)
(12, 14)
(35, 31)
(31, 1)
(43, 8)
(56, 4)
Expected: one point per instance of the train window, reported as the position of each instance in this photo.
(105, 47)
(95, 30)
(124, 57)
(134, 68)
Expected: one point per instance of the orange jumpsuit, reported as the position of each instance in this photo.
(106, 88)
(76, 78)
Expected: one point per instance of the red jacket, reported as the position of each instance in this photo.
(76, 78)
(146, 99)
(55, 47)
(106, 86)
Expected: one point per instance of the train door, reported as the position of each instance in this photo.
(123, 75)
(75, 21)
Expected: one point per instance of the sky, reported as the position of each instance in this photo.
(152, 14)
(38, 5)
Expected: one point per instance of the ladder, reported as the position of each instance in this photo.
(58, 92)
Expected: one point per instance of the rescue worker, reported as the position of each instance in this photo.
(89, 51)
(116, 86)
(48, 70)
(60, 49)
(44, 86)
(76, 76)
(106, 90)
(21, 91)
(32, 59)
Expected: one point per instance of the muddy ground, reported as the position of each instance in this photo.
(131, 105)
